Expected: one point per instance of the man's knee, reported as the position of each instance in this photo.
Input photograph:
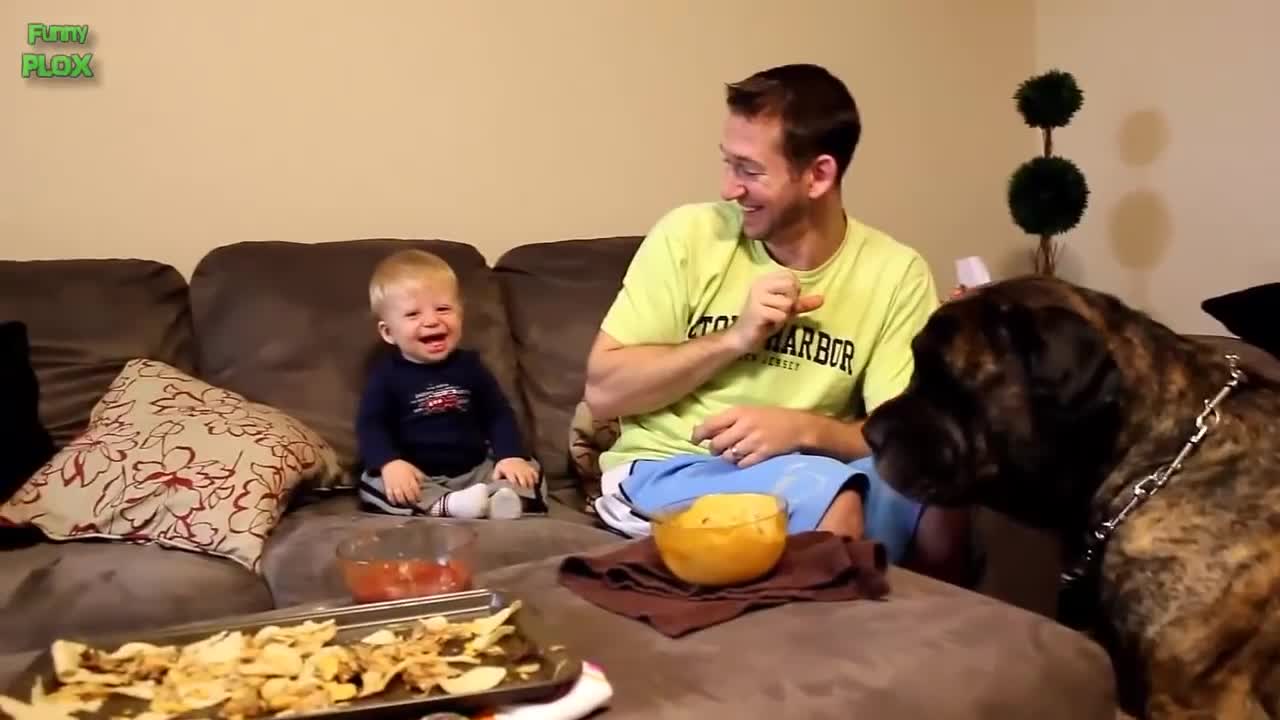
(844, 516)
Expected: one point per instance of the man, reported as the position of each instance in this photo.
(751, 335)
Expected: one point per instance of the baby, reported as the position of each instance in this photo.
(436, 433)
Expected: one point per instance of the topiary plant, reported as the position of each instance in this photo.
(1048, 194)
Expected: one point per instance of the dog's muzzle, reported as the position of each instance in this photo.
(918, 450)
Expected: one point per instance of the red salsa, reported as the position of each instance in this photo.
(397, 579)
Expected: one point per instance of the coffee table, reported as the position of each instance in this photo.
(930, 650)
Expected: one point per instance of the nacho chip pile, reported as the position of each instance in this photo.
(277, 671)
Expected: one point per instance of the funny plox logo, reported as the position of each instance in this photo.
(62, 65)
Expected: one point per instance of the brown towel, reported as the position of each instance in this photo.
(816, 566)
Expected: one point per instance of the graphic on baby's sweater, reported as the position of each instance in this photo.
(441, 398)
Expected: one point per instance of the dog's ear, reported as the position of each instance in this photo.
(1071, 374)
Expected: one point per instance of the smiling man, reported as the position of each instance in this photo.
(751, 336)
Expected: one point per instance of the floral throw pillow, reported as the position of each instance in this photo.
(172, 460)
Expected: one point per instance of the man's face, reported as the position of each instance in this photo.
(758, 177)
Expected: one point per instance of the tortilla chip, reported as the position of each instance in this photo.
(275, 660)
(474, 680)
(382, 637)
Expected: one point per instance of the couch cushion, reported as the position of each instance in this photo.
(556, 294)
(288, 324)
(1250, 314)
(54, 590)
(299, 559)
(929, 650)
(86, 319)
(1252, 357)
(12, 666)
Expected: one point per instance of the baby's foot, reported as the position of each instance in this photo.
(470, 504)
(505, 504)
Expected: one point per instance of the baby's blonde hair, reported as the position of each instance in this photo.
(407, 268)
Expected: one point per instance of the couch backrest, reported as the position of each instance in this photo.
(86, 319)
(1252, 358)
(556, 294)
(288, 324)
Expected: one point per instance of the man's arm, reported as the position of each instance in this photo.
(639, 377)
(631, 380)
(642, 359)
(840, 439)
(749, 434)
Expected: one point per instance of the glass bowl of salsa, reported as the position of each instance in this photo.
(418, 558)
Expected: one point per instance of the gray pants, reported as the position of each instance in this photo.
(373, 494)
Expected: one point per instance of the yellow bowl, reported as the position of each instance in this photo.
(723, 538)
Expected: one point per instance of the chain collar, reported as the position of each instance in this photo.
(1151, 484)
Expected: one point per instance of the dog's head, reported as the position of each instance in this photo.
(1015, 403)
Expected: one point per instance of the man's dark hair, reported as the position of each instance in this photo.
(818, 114)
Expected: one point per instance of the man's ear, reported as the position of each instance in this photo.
(823, 173)
(1071, 374)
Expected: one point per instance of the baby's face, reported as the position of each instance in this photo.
(423, 321)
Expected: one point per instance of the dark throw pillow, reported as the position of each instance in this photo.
(1251, 314)
(24, 443)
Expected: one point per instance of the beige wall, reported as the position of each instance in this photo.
(1178, 140)
(488, 121)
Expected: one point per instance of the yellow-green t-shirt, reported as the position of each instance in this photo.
(691, 276)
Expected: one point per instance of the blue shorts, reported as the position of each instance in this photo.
(809, 483)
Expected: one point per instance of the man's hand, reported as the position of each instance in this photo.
(747, 435)
(402, 482)
(774, 299)
(517, 471)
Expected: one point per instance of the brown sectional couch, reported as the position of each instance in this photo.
(286, 324)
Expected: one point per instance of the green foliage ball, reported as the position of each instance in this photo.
(1049, 100)
(1048, 195)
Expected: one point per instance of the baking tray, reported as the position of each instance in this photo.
(559, 666)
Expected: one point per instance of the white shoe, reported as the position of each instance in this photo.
(505, 504)
(616, 514)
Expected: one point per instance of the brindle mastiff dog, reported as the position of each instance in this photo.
(1050, 403)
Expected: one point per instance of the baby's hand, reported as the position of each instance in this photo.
(402, 482)
(517, 471)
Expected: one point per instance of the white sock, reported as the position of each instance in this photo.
(470, 504)
(505, 504)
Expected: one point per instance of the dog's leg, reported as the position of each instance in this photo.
(1233, 700)
(1269, 692)
(1200, 608)
(1233, 685)
(1202, 666)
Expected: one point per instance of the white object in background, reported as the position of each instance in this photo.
(591, 691)
(971, 272)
